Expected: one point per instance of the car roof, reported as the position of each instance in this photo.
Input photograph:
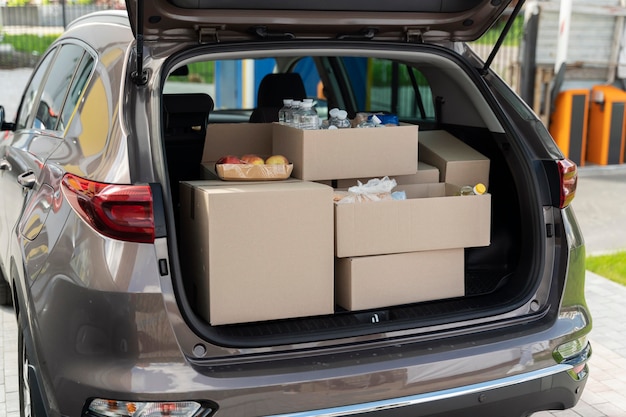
(118, 17)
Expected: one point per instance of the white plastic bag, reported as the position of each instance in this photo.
(376, 189)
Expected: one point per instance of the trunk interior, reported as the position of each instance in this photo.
(495, 277)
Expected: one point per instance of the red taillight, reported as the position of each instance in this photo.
(122, 212)
(569, 177)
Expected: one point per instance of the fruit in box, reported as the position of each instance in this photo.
(252, 159)
(229, 159)
(277, 160)
(251, 167)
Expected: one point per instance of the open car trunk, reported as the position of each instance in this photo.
(264, 262)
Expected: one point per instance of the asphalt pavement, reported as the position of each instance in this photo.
(600, 207)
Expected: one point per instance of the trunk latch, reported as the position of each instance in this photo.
(415, 36)
(207, 35)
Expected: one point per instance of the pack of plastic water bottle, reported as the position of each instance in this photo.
(299, 114)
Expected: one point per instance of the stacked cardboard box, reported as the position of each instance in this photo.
(258, 251)
(236, 139)
(399, 252)
(348, 153)
(426, 174)
(300, 257)
(367, 282)
(432, 217)
(458, 163)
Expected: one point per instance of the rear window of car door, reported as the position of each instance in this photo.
(82, 75)
(32, 91)
(56, 88)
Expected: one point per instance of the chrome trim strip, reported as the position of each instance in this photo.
(392, 403)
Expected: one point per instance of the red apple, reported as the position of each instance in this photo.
(252, 159)
(277, 160)
(229, 159)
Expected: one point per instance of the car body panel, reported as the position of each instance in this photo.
(432, 20)
(124, 340)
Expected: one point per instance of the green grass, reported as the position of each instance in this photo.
(30, 43)
(611, 266)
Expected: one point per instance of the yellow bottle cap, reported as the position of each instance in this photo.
(480, 189)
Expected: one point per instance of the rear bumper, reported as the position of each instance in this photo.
(520, 395)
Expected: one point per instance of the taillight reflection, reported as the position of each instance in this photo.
(569, 178)
(123, 212)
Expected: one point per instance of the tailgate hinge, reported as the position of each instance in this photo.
(139, 76)
(414, 35)
(207, 35)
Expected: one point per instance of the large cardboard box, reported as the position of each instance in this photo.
(348, 153)
(258, 251)
(237, 139)
(432, 217)
(426, 174)
(387, 280)
(458, 163)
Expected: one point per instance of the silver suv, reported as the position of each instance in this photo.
(154, 275)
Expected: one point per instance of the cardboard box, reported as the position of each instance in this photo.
(348, 153)
(426, 174)
(387, 280)
(237, 139)
(258, 251)
(458, 163)
(431, 218)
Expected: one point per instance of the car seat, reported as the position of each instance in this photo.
(272, 90)
(185, 120)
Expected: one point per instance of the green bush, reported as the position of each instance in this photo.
(18, 3)
(513, 38)
(199, 72)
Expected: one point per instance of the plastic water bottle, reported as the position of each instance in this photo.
(282, 113)
(478, 189)
(291, 116)
(373, 121)
(332, 116)
(307, 117)
(341, 121)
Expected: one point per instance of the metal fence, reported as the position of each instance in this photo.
(26, 32)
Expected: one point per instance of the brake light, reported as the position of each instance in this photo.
(123, 212)
(569, 178)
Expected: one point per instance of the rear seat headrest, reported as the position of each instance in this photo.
(184, 110)
(276, 87)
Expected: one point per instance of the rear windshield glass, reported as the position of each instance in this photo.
(355, 84)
